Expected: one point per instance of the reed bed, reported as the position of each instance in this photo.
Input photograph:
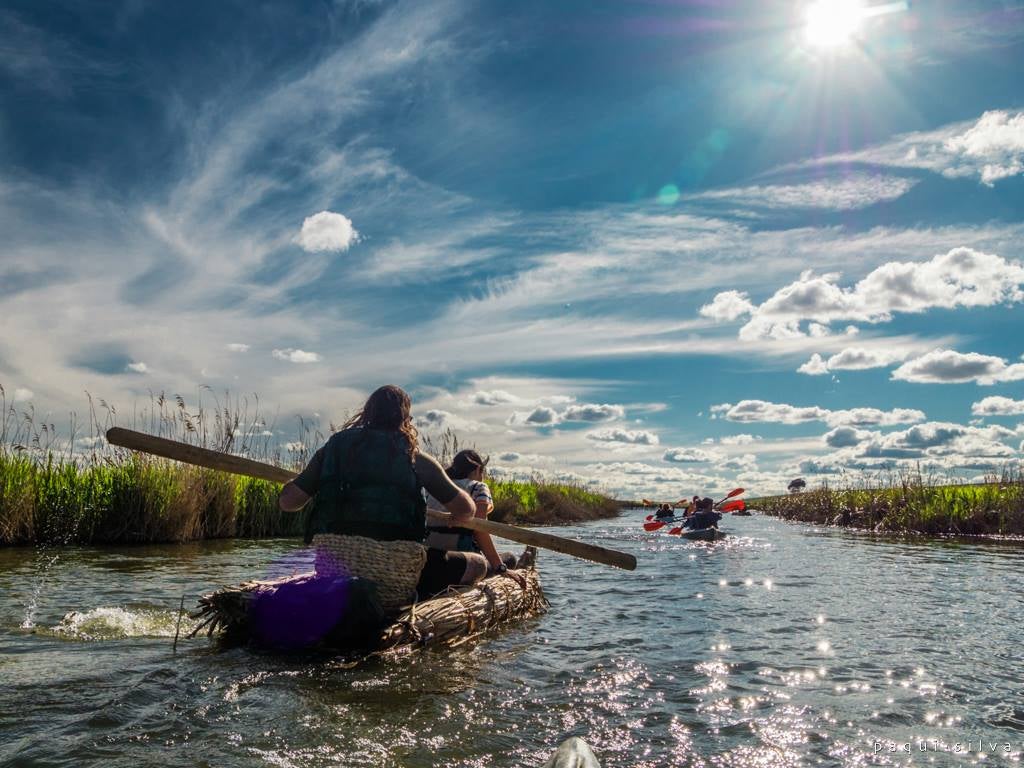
(73, 488)
(911, 504)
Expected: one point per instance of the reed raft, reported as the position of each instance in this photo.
(444, 621)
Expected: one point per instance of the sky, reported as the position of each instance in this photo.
(659, 248)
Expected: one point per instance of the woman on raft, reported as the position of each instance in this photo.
(478, 556)
(367, 483)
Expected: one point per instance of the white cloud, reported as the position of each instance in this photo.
(327, 231)
(860, 358)
(433, 418)
(541, 416)
(741, 439)
(728, 306)
(998, 405)
(946, 366)
(854, 359)
(989, 149)
(995, 143)
(764, 411)
(850, 192)
(438, 419)
(296, 356)
(862, 417)
(593, 412)
(137, 367)
(495, 397)
(844, 437)
(235, 347)
(689, 456)
(544, 415)
(962, 277)
(816, 366)
(23, 394)
(625, 436)
(783, 413)
(746, 462)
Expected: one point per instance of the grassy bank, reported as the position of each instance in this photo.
(910, 505)
(131, 500)
(55, 491)
(538, 503)
(137, 499)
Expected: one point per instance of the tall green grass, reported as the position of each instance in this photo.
(911, 504)
(133, 499)
(79, 490)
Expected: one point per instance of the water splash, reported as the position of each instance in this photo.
(111, 623)
(45, 561)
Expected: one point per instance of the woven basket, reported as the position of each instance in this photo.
(394, 565)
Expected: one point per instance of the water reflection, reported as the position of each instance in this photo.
(780, 646)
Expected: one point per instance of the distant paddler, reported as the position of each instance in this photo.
(665, 512)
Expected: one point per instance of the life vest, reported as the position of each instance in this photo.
(368, 487)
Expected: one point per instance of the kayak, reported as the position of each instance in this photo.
(304, 612)
(703, 534)
(573, 753)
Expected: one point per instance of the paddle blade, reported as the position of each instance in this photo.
(675, 531)
(734, 506)
(653, 526)
(735, 492)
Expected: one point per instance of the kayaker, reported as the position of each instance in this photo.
(691, 507)
(704, 516)
(467, 555)
(664, 511)
(369, 513)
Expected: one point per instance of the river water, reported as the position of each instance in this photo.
(785, 645)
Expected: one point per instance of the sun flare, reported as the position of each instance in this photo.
(832, 23)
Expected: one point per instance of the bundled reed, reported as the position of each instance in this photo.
(445, 621)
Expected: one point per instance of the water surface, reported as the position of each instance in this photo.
(786, 645)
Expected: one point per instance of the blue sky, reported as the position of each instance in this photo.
(665, 247)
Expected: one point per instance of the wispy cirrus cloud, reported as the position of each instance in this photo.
(990, 148)
(848, 192)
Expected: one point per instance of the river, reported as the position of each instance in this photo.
(785, 645)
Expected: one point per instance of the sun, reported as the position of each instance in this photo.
(833, 23)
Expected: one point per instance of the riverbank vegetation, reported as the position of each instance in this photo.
(910, 504)
(76, 489)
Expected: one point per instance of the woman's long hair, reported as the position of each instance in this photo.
(388, 408)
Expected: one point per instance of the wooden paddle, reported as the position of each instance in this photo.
(225, 462)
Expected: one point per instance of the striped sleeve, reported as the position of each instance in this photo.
(480, 492)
